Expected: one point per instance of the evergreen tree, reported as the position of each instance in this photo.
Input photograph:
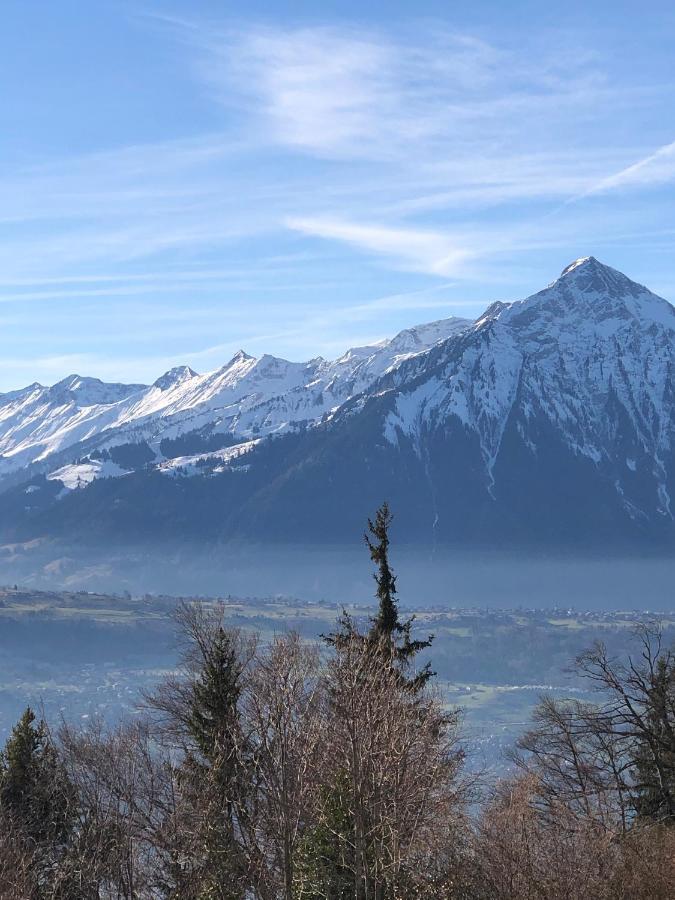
(324, 863)
(215, 772)
(18, 764)
(387, 632)
(654, 754)
(387, 629)
(326, 867)
(215, 697)
(38, 808)
(34, 790)
(386, 622)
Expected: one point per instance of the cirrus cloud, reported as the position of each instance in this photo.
(420, 250)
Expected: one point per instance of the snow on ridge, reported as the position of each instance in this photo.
(246, 395)
(177, 375)
(562, 351)
(575, 265)
(590, 339)
(86, 391)
(588, 299)
(219, 459)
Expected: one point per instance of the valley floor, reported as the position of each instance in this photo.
(82, 655)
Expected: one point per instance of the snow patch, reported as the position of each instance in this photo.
(80, 475)
(194, 465)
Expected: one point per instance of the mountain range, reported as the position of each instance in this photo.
(546, 422)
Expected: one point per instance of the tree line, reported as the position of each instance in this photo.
(290, 771)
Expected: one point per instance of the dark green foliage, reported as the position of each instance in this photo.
(18, 763)
(193, 442)
(216, 692)
(388, 634)
(132, 456)
(39, 809)
(34, 791)
(654, 752)
(388, 631)
(215, 774)
(127, 456)
(324, 864)
(386, 621)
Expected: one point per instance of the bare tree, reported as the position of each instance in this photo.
(134, 835)
(280, 710)
(527, 852)
(393, 756)
(17, 865)
(638, 708)
(591, 814)
(580, 763)
(612, 760)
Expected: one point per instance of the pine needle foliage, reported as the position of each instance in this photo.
(387, 629)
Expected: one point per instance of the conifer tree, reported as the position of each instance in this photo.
(34, 790)
(387, 629)
(216, 691)
(324, 862)
(654, 754)
(18, 764)
(327, 865)
(387, 632)
(217, 777)
(38, 811)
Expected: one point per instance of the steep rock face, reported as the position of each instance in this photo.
(548, 422)
(586, 365)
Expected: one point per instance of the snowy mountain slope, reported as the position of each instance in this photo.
(548, 421)
(593, 355)
(246, 397)
(38, 420)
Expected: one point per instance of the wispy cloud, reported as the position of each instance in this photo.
(348, 93)
(655, 168)
(434, 162)
(395, 128)
(421, 250)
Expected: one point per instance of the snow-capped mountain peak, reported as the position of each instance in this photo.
(589, 297)
(246, 397)
(583, 261)
(591, 276)
(589, 358)
(177, 375)
(85, 392)
(558, 409)
(239, 357)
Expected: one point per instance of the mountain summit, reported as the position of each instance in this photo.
(589, 275)
(589, 291)
(548, 421)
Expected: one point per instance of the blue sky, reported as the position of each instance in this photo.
(178, 180)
